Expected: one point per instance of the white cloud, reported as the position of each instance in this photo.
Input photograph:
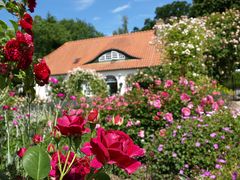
(84, 4)
(121, 8)
(96, 18)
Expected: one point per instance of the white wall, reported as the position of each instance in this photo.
(42, 92)
(120, 76)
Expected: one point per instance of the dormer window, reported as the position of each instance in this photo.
(112, 55)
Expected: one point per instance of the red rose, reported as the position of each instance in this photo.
(117, 120)
(37, 139)
(113, 147)
(20, 49)
(26, 23)
(21, 152)
(31, 5)
(79, 169)
(42, 73)
(93, 116)
(72, 125)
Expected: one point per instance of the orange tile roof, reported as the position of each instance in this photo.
(136, 44)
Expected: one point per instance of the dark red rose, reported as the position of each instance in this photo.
(21, 152)
(37, 139)
(42, 72)
(79, 169)
(93, 116)
(20, 50)
(31, 5)
(72, 125)
(26, 23)
(113, 147)
(3, 69)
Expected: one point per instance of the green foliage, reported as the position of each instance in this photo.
(206, 7)
(36, 163)
(124, 28)
(194, 143)
(53, 33)
(79, 78)
(184, 41)
(176, 9)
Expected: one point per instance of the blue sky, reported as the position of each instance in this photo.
(105, 15)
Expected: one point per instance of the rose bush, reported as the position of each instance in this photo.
(45, 137)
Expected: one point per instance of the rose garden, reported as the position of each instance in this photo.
(174, 122)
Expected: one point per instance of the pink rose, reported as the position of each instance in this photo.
(185, 97)
(113, 147)
(186, 112)
(168, 117)
(168, 83)
(141, 134)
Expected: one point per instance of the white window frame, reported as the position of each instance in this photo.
(114, 55)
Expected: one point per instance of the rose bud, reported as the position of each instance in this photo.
(117, 120)
(37, 139)
(93, 116)
(56, 134)
(51, 148)
(21, 152)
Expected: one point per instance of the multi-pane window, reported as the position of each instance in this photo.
(112, 55)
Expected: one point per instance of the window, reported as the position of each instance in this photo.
(112, 55)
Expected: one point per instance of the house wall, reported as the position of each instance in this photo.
(120, 75)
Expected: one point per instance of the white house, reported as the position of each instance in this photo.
(114, 57)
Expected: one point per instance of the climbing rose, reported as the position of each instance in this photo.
(72, 125)
(42, 72)
(26, 23)
(113, 147)
(21, 152)
(31, 5)
(20, 50)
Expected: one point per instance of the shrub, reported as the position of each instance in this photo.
(93, 82)
(198, 146)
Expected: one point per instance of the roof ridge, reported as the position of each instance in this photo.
(117, 35)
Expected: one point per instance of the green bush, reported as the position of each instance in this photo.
(194, 146)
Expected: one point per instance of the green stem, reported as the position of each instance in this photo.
(64, 173)
(65, 164)
(8, 140)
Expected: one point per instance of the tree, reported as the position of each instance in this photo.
(124, 28)
(205, 7)
(148, 24)
(51, 33)
(177, 9)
